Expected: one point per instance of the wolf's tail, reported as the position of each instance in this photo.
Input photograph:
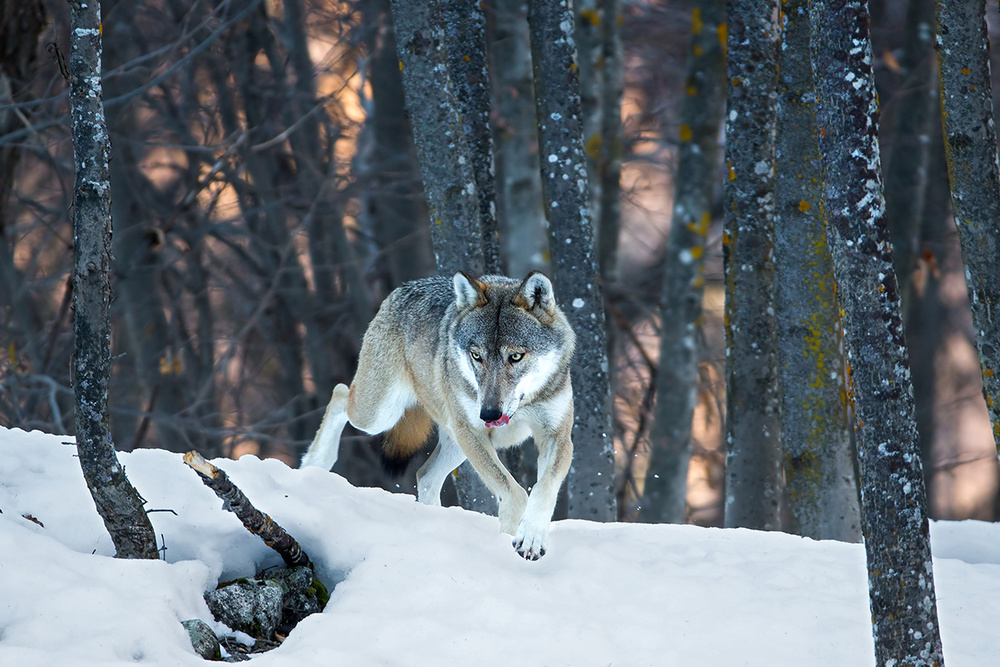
(323, 451)
(402, 442)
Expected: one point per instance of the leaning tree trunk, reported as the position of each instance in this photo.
(117, 501)
(971, 149)
(590, 485)
(665, 493)
(894, 519)
(821, 491)
(753, 437)
(447, 168)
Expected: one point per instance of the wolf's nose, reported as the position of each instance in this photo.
(490, 414)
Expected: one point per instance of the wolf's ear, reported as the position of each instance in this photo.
(469, 292)
(536, 292)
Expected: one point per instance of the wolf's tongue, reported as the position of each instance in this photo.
(500, 422)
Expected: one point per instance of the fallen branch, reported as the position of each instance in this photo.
(253, 519)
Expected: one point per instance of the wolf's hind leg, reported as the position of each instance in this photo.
(447, 456)
(323, 451)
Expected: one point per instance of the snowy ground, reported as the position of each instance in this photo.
(429, 586)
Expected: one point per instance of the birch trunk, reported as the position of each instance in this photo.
(753, 438)
(117, 501)
(590, 485)
(894, 519)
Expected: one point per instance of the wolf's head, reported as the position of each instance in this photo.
(510, 342)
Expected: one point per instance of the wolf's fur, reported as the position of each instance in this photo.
(467, 354)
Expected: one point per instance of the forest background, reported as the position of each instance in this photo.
(267, 196)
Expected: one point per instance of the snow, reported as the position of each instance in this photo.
(418, 585)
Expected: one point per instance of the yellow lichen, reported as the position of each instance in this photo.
(696, 23)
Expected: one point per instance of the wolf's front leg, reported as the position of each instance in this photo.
(554, 455)
(511, 498)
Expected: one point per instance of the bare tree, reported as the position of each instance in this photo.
(665, 493)
(893, 503)
(590, 484)
(117, 501)
(820, 482)
(753, 439)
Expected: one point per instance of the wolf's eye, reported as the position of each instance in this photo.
(515, 357)
(475, 355)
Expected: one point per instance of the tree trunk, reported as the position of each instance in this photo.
(609, 168)
(665, 493)
(519, 187)
(590, 485)
(971, 149)
(393, 206)
(894, 519)
(753, 438)
(589, 57)
(117, 501)
(821, 491)
(447, 168)
(21, 24)
(449, 179)
(906, 175)
(465, 37)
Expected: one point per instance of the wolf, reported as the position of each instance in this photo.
(486, 359)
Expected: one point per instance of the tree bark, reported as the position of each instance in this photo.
(117, 501)
(590, 484)
(519, 187)
(665, 492)
(465, 38)
(971, 150)
(449, 179)
(894, 519)
(753, 420)
(447, 168)
(821, 492)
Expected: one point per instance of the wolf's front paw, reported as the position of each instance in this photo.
(529, 541)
